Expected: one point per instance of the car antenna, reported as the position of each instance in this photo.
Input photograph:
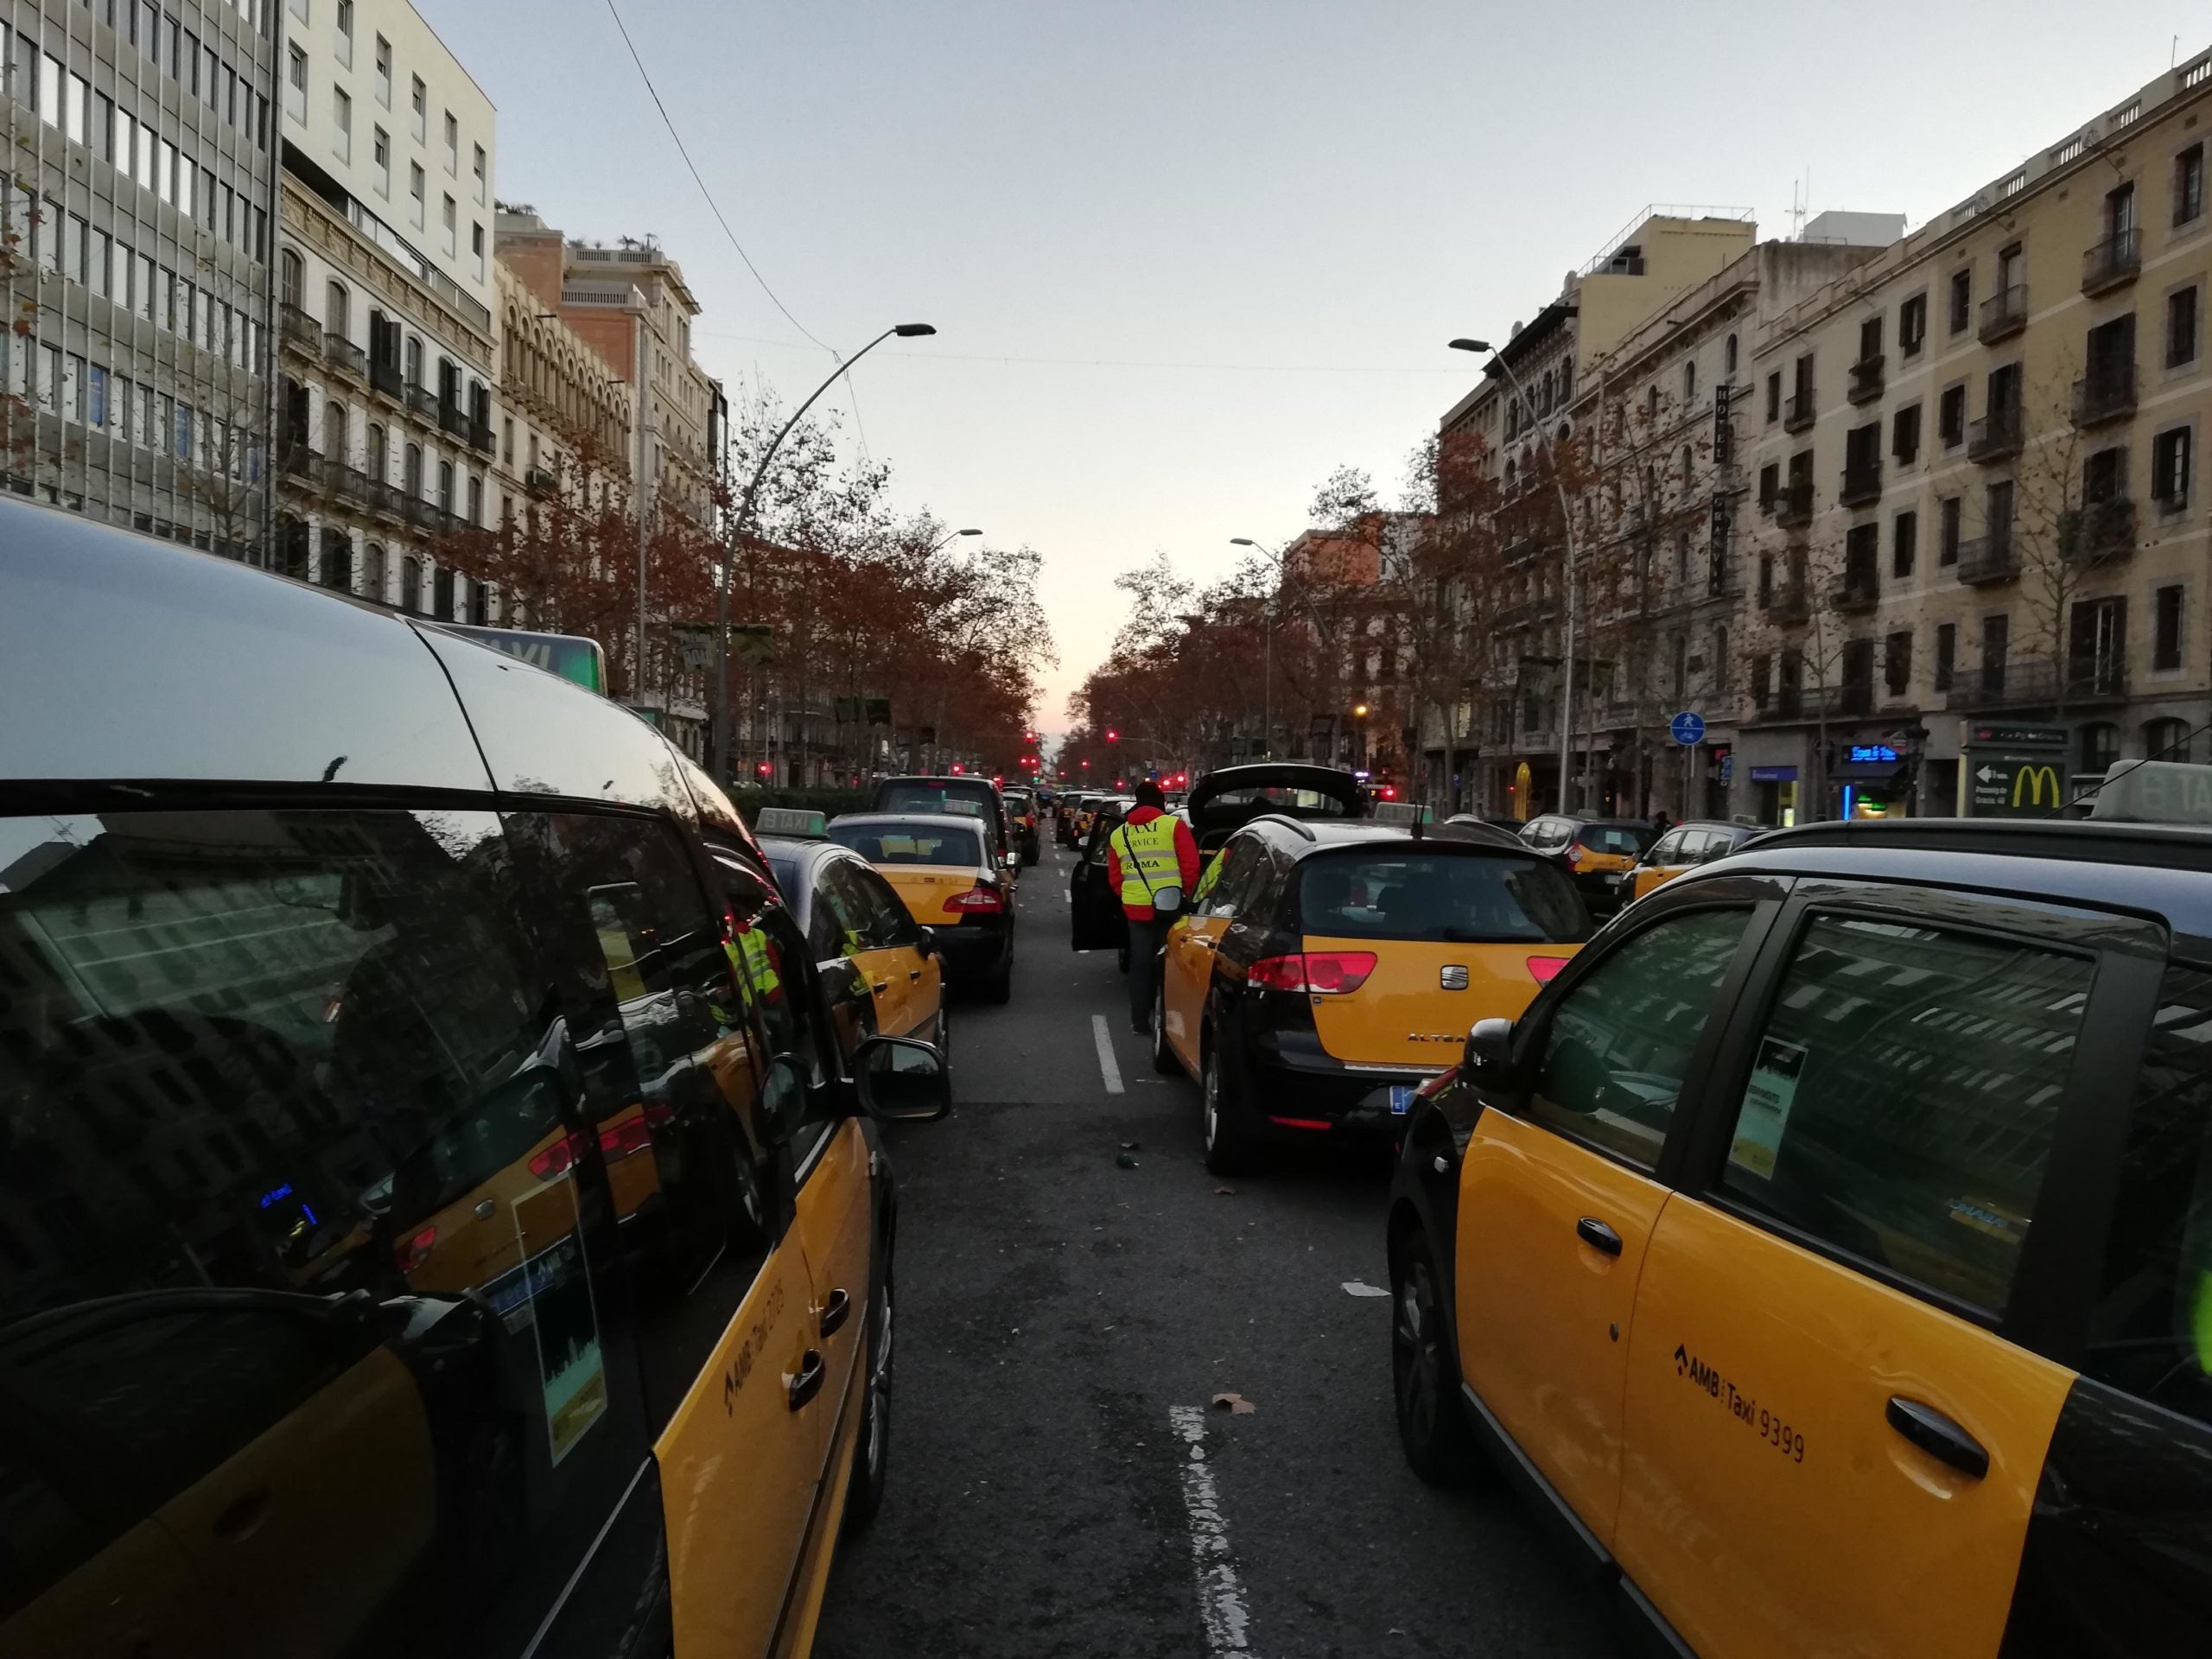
(1420, 820)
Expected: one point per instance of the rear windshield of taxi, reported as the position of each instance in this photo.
(893, 844)
(963, 800)
(1627, 840)
(1478, 897)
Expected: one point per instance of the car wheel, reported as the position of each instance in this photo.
(1431, 1423)
(1163, 1057)
(872, 1459)
(1230, 1145)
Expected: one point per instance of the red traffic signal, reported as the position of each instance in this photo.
(1113, 736)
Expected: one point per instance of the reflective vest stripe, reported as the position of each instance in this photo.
(1148, 861)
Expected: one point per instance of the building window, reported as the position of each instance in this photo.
(1947, 552)
(2099, 747)
(1951, 416)
(1728, 357)
(337, 312)
(415, 193)
(295, 84)
(476, 251)
(476, 500)
(2165, 739)
(2170, 469)
(2165, 631)
(1962, 300)
(2181, 327)
(383, 71)
(1689, 383)
(410, 585)
(1912, 325)
(341, 124)
(2189, 184)
(1774, 397)
(445, 485)
(344, 40)
(482, 171)
(1996, 646)
(380, 157)
(1904, 435)
(1904, 543)
(419, 103)
(1896, 661)
(450, 225)
(453, 146)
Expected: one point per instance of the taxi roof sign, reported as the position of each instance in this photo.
(789, 821)
(2155, 792)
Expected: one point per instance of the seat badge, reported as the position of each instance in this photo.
(1453, 976)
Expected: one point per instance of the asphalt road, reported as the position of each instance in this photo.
(1060, 1484)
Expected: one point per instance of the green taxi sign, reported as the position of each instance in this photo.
(2155, 792)
(789, 821)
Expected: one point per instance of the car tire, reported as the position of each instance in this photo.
(1231, 1146)
(1433, 1427)
(1163, 1057)
(872, 1457)
(999, 987)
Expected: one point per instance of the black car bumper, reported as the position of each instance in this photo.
(1292, 1088)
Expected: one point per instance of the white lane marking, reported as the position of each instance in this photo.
(1221, 1593)
(1106, 1069)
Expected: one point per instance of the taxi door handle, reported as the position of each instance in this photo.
(1937, 1435)
(880, 986)
(1201, 941)
(808, 1383)
(836, 1311)
(1599, 1236)
(913, 975)
(240, 1518)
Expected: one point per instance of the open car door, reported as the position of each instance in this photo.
(1099, 923)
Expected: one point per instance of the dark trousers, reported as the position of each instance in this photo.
(1145, 939)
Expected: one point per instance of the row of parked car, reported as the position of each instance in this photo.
(443, 1207)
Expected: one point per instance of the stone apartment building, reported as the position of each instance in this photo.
(1979, 505)
(389, 347)
(135, 196)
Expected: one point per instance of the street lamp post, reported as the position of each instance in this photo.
(955, 536)
(1268, 673)
(721, 748)
(1566, 532)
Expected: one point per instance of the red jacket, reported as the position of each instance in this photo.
(1186, 855)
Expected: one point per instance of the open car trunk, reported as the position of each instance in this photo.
(1223, 802)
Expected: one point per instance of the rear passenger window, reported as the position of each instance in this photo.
(1902, 1096)
(1619, 1044)
(1243, 863)
(2151, 1334)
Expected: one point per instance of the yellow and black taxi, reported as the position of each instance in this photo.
(1594, 851)
(940, 867)
(1324, 971)
(1022, 809)
(1828, 1248)
(1068, 817)
(1680, 850)
(438, 1218)
(879, 966)
(964, 796)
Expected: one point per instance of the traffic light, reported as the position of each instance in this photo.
(1113, 736)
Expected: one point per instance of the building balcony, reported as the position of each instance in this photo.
(346, 483)
(1523, 550)
(301, 461)
(453, 420)
(2003, 313)
(1996, 435)
(343, 355)
(2105, 393)
(479, 437)
(1722, 579)
(1855, 591)
(1789, 605)
(302, 332)
(386, 378)
(422, 401)
(2116, 260)
(539, 480)
(386, 500)
(1799, 412)
(1861, 484)
(1867, 382)
(1988, 559)
(1526, 615)
(2075, 680)
(2099, 532)
(1792, 505)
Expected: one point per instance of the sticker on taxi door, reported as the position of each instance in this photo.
(1767, 1100)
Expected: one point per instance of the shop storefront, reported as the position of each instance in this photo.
(1872, 780)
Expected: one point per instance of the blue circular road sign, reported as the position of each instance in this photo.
(1688, 728)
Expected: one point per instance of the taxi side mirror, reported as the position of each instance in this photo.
(1488, 1061)
(927, 944)
(901, 1080)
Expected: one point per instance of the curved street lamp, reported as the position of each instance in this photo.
(718, 753)
(1566, 534)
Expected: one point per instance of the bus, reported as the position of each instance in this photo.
(569, 655)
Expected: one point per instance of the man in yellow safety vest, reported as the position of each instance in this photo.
(1152, 861)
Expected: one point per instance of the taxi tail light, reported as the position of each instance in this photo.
(977, 901)
(1318, 973)
(1542, 969)
(411, 1251)
(1301, 1123)
(1574, 851)
(558, 1159)
(620, 1139)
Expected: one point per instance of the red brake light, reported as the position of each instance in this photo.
(977, 901)
(620, 1139)
(1318, 973)
(1574, 851)
(1542, 969)
(411, 1251)
(558, 1159)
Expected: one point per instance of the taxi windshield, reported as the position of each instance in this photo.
(968, 799)
(1626, 840)
(894, 843)
(1453, 898)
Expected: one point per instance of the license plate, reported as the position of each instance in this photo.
(1401, 1099)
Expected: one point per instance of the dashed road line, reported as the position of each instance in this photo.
(1222, 1610)
(1107, 1068)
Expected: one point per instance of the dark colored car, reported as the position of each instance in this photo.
(1841, 1218)
(1327, 969)
(423, 1149)
(1592, 850)
(973, 796)
(1022, 809)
